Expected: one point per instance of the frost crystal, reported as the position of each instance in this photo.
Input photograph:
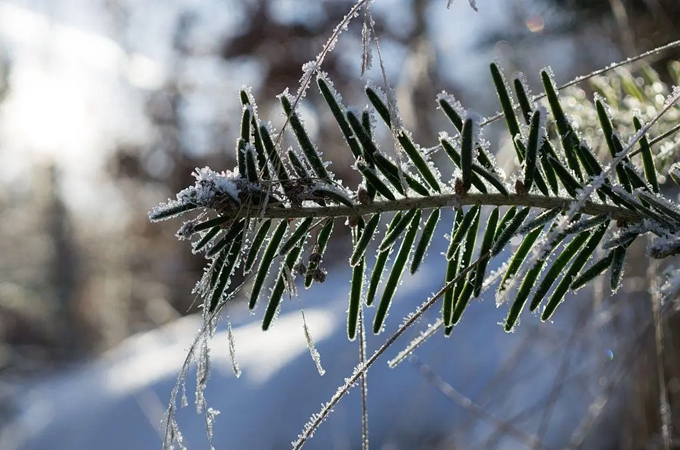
(209, 186)
(670, 289)
(186, 230)
(310, 344)
(664, 246)
(366, 54)
(451, 100)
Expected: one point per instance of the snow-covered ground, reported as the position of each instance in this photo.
(118, 401)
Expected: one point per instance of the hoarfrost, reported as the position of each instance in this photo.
(316, 356)
(451, 100)
(542, 134)
(664, 246)
(232, 350)
(187, 230)
(336, 95)
(389, 97)
(670, 288)
(525, 84)
(209, 186)
(366, 54)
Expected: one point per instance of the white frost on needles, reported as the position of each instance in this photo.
(670, 289)
(211, 188)
(210, 185)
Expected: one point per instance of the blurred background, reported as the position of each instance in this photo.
(107, 106)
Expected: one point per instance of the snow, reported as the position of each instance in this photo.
(210, 186)
(119, 400)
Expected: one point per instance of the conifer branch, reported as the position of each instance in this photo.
(449, 200)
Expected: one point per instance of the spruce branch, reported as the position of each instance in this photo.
(276, 211)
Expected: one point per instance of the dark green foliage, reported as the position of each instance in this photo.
(586, 224)
(368, 146)
(245, 98)
(505, 101)
(298, 167)
(466, 150)
(228, 238)
(464, 287)
(394, 234)
(623, 238)
(362, 244)
(540, 220)
(169, 211)
(256, 245)
(251, 166)
(397, 270)
(525, 104)
(575, 267)
(558, 267)
(670, 212)
(519, 257)
(273, 155)
(529, 281)
(505, 220)
(269, 185)
(491, 178)
(455, 157)
(532, 150)
(212, 223)
(373, 180)
(299, 234)
(451, 114)
(612, 142)
(245, 124)
(380, 261)
(231, 259)
(547, 150)
(618, 263)
(391, 172)
(331, 194)
(449, 301)
(461, 231)
(339, 116)
(266, 262)
(366, 121)
(205, 240)
(404, 140)
(311, 153)
(593, 271)
(356, 286)
(241, 155)
(537, 178)
(647, 158)
(570, 141)
(506, 233)
(260, 151)
(279, 287)
(379, 106)
(567, 179)
(453, 257)
(482, 155)
(425, 239)
(357, 282)
(487, 242)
